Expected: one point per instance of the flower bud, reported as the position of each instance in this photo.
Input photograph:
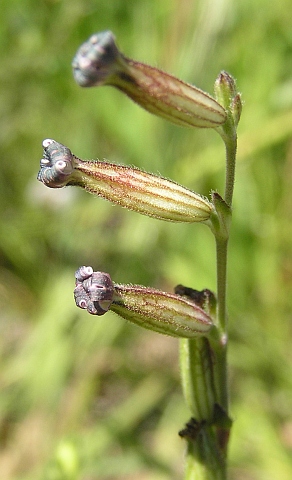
(149, 308)
(225, 88)
(99, 62)
(227, 95)
(128, 187)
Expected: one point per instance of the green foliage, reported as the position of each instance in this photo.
(86, 398)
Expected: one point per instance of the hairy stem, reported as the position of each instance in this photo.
(208, 439)
(221, 259)
(231, 148)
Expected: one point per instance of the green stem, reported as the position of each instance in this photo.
(204, 388)
(221, 259)
(230, 141)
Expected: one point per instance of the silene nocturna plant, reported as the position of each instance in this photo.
(198, 318)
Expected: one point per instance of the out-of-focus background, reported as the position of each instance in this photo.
(89, 398)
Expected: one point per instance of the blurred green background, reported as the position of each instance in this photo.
(91, 398)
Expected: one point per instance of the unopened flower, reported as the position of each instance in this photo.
(99, 62)
(227, 94)
(149, 308)
(128, 187)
